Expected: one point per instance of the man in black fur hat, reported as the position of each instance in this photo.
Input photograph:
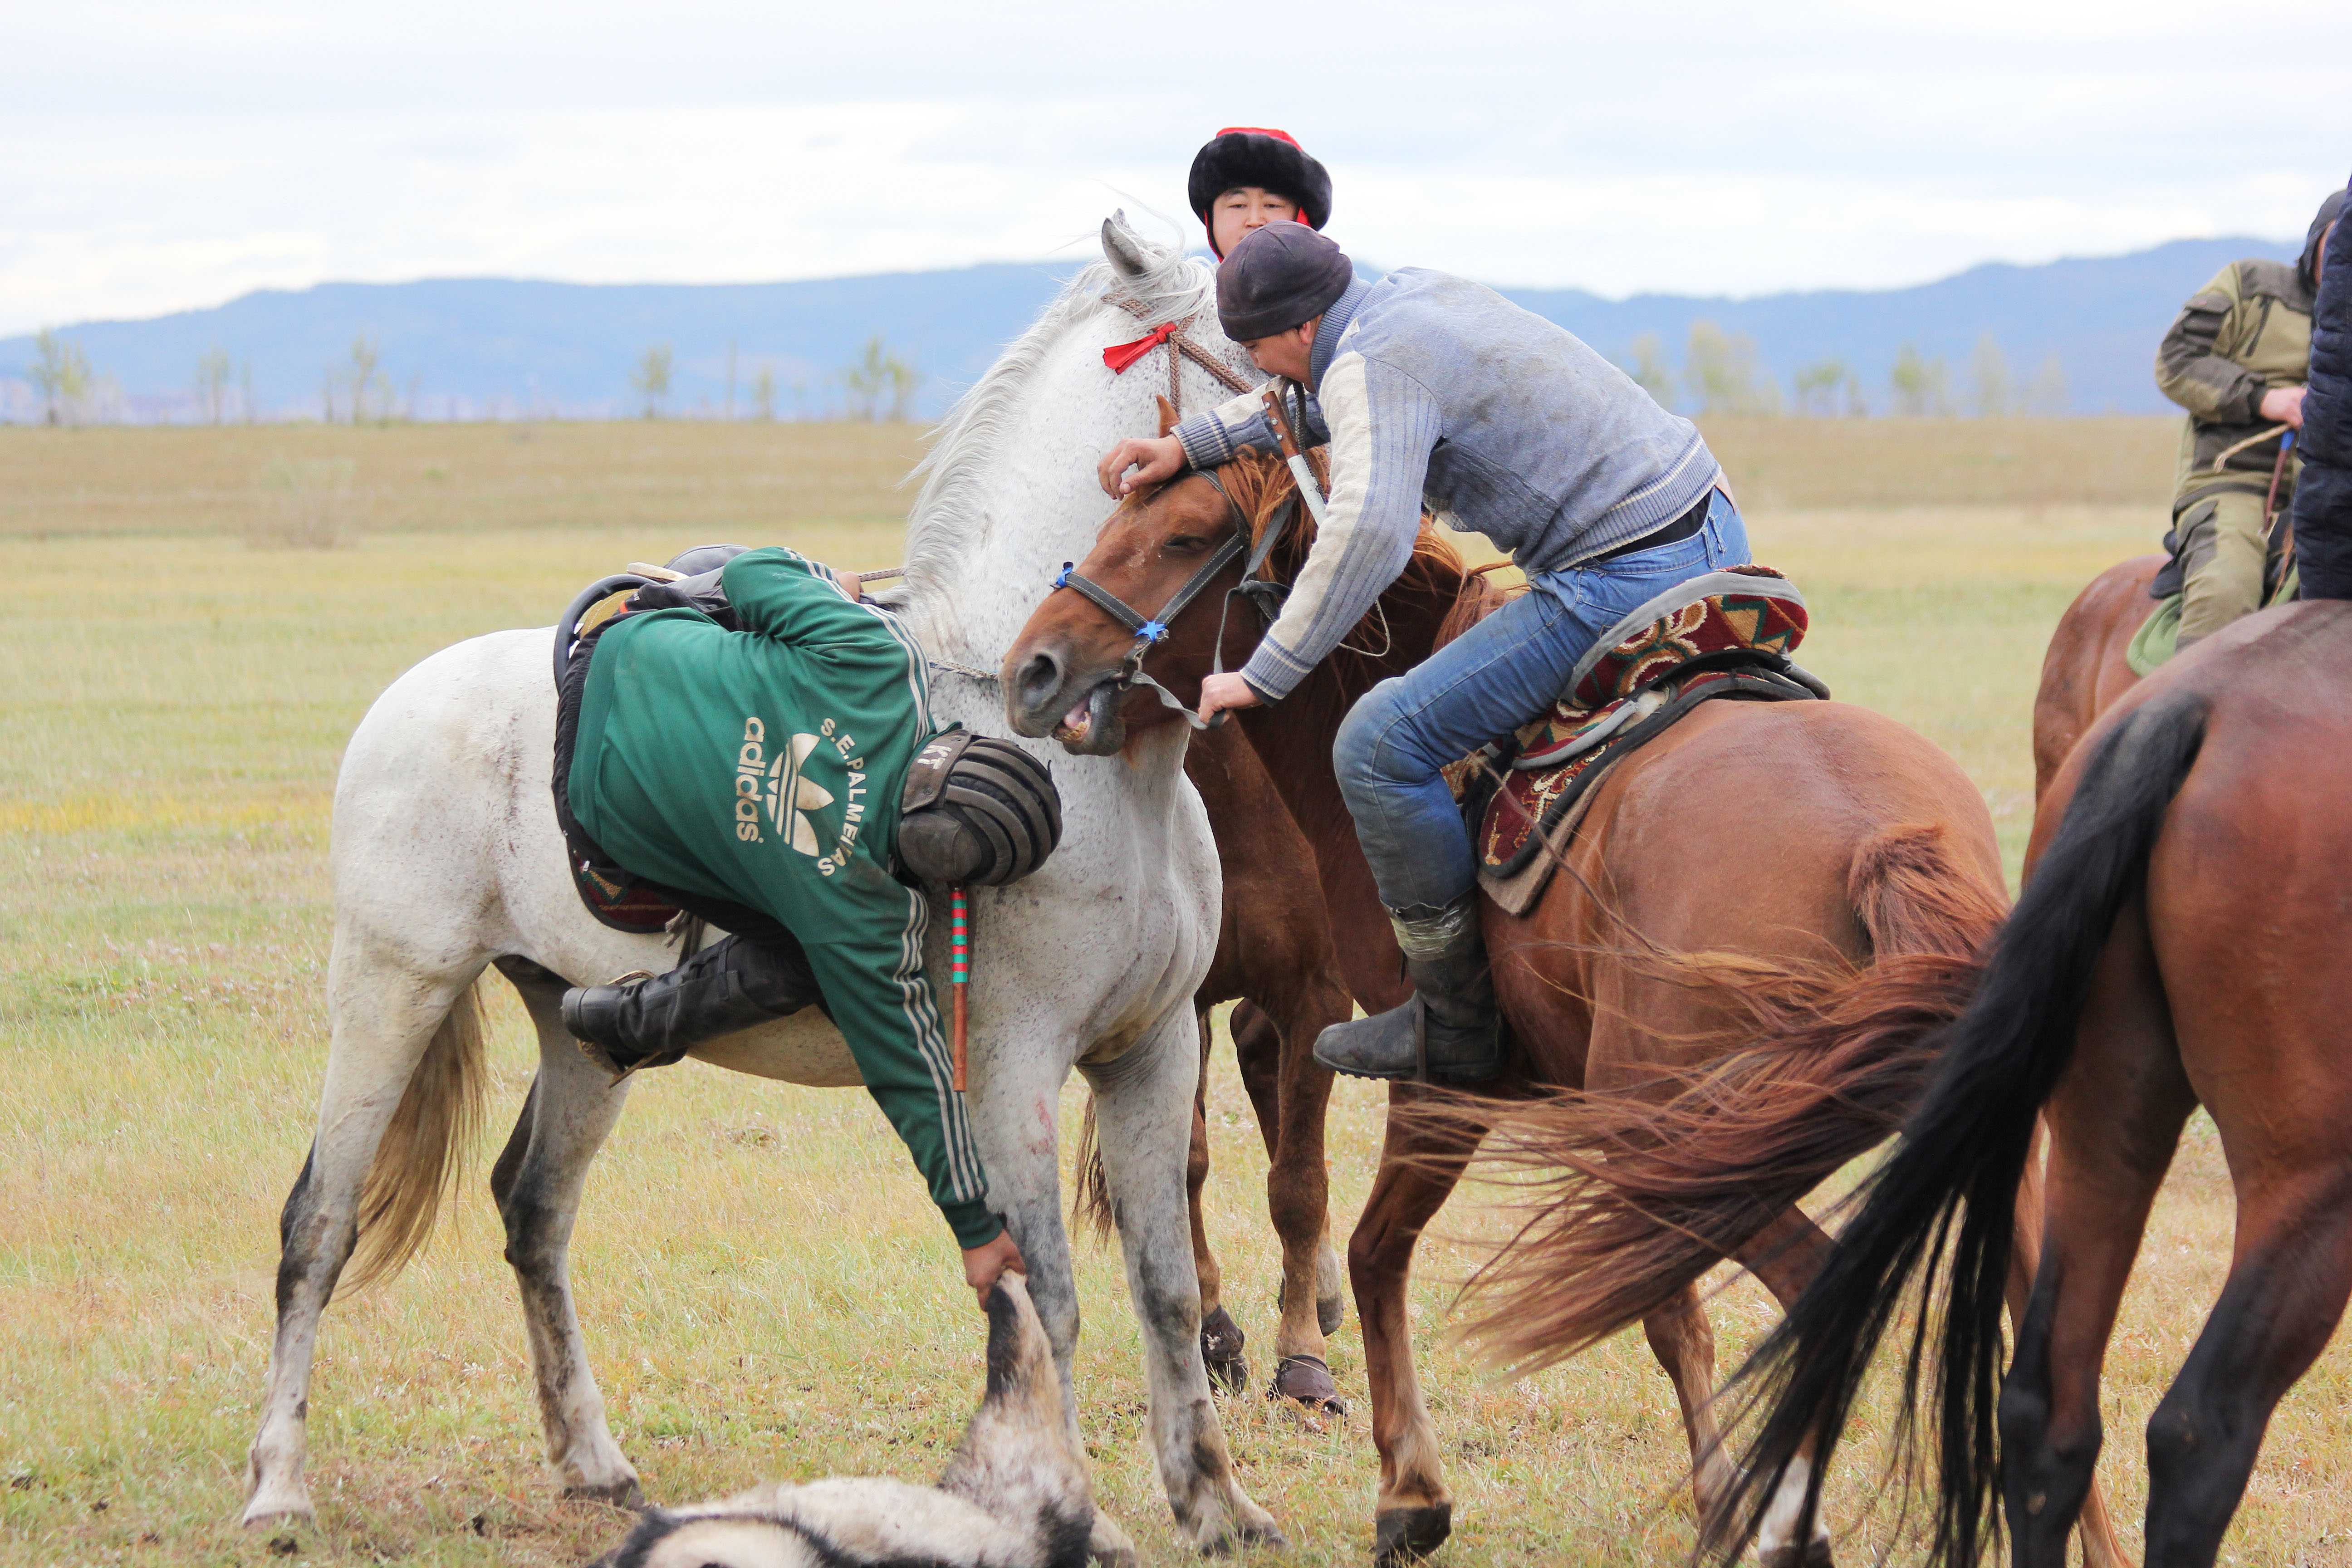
(1248, 176)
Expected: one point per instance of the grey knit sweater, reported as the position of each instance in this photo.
(1429, 386)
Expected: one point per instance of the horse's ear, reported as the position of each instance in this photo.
(1121, 246)
(1167, 413)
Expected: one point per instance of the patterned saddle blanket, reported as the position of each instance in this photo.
(1725, 634)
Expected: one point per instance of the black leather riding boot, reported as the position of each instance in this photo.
(653, 1021)
(1450, 1031)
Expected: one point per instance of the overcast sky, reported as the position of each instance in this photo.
(155, 156)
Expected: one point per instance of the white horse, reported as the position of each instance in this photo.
(447, 861)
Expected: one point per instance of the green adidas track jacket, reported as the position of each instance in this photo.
(764, 765)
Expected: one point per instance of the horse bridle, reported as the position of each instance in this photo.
(1150, 630)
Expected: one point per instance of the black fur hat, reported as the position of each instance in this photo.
(1257, 155)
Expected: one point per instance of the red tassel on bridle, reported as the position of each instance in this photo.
(1119, 356)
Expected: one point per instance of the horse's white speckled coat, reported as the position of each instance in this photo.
(447, 859)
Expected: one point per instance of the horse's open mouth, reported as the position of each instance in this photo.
(1093, 718)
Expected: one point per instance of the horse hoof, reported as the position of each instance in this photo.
(1330, 1289)
(625, 1493)
(1221, 1351)
(1402, 1535)
(278, 1505)
(1244, 1535)
(1305, 1380)
(1107, 1545)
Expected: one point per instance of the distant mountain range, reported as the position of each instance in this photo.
(494, 348)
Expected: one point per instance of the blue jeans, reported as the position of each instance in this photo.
(1500, 674)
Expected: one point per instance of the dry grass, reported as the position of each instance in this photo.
(701, 474)
(765, 1290)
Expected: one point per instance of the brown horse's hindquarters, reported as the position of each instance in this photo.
(1800, 891)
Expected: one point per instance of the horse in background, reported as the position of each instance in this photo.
(1824, 827)
(2087, 666)
(447, 862)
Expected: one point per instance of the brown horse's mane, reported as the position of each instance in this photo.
(1434, 600)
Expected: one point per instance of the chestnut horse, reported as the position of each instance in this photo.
(1782, 830)
(1276, 952)
(2180, 943)
(2084, 670)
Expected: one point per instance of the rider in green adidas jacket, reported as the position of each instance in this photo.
(764, 766)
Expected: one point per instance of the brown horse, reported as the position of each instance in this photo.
(1783, 830)
(1274, 951)
(2180, 943)
(2084, 670)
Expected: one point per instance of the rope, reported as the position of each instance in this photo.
(2270, 435)
(1180, 340)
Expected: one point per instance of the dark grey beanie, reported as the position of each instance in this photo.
(1278, 276)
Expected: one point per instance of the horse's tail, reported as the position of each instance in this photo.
(1631, 1198)
(424, 1147)
(1963, 1151)
(1089, 1185)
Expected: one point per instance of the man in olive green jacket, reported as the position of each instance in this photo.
(2235, 359)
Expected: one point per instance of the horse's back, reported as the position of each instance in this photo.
(440, 780)
(1751, 828)
(2086, 668)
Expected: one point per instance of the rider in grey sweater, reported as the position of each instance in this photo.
(1434, 392)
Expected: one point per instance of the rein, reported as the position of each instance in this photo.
(1150, 630)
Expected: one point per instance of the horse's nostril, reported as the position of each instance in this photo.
(1040, 677)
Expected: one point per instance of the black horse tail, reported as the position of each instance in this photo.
(1953, 1177)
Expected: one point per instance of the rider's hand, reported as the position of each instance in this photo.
(2284, 406)
(1154, 462)
(983, 1264)
(850, 584)
(1219, 692)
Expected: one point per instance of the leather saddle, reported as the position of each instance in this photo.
(1725, 634)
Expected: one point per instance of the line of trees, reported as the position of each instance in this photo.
(879, 385)
(1722, 374)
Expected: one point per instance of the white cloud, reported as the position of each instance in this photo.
(160, 156)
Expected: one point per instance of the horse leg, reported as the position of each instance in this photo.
(1221, 1341)
(2113, 1124)
(1142, 1099)
(537, 1183)
(2101, 1549)
(1682, 1340)
(1785, 1256)
(384, 1016)
(1014, 1100)
(2287, 1291)
(1419, 1169)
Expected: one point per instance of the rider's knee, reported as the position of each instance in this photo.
(1360, 751)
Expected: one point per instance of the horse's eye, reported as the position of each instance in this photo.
(1186, 545)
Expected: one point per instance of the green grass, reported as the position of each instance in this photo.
(765, 1290)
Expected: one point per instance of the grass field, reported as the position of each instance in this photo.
(765, 1290)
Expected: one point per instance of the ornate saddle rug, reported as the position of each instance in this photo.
(1725, 634)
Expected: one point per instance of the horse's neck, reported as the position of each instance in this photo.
(1294, 741)
(1014, 497)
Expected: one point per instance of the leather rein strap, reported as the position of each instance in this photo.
(1150, 630)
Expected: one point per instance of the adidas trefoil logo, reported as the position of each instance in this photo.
(792, 794)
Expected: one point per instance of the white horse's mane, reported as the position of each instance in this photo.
(943, 530)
